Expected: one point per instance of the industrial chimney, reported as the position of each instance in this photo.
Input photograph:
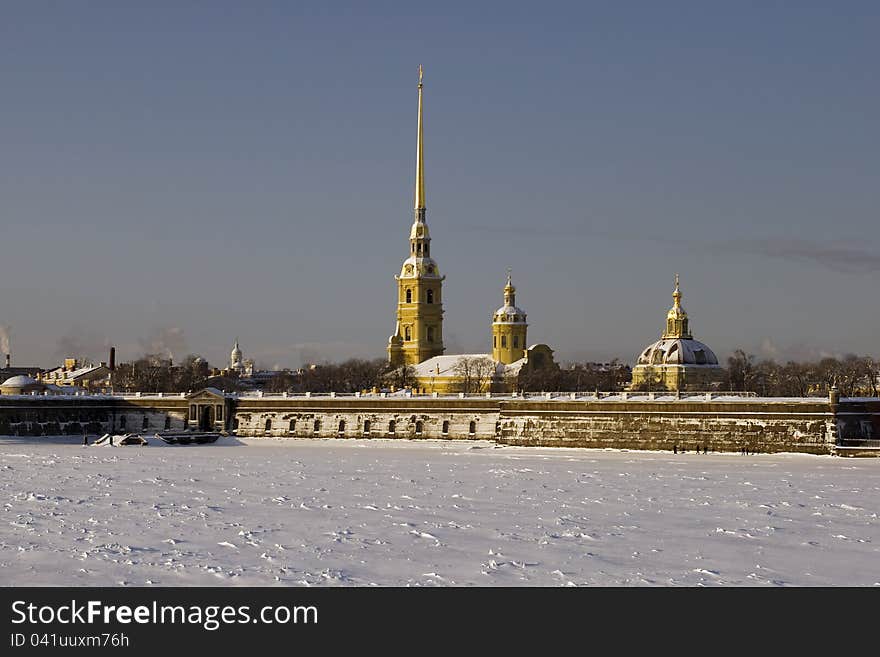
(112, 359)
(8, 361)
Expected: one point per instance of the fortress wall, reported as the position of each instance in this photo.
(810, 425)
(759, 425)
(26, 415)
(37, 415)
(159, 412)
(253, 413)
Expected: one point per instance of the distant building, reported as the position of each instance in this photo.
(21, 384)
(8, 371)
(677, 361)
(78, 374)
(237, 363)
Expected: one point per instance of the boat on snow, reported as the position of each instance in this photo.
(188, 437)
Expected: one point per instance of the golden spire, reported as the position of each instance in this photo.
(677, 317)
(509, 291)
(420, 158)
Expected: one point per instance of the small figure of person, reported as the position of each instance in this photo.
(675, 449)
(85, 440)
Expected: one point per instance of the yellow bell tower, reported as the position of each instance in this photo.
(509, 328)
(418, 335)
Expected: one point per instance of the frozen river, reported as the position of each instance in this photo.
(401, 513)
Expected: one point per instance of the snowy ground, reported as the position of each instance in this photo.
(357, 512)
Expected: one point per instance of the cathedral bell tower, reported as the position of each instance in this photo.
(509, 328)
(418, 334)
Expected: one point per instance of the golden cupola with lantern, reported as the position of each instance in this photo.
(677, 361)
(509, 328)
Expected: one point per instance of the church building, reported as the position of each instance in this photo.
(418, 334)
(677, 361)
(417, 341)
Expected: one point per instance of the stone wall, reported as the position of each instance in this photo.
(758, 425)
(424, 417)
(38, 415)
(149, 414)
(716, 423)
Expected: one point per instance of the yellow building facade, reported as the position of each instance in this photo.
(418, 334)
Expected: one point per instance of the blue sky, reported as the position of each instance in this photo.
(178, 174)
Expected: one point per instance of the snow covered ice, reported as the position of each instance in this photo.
(430, 513)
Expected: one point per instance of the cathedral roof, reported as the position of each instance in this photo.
(677, 351)
(444, 366)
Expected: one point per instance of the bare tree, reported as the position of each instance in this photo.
(853, 375)
(474, 373)
(398, 377)
(872, 371)
(740, 370)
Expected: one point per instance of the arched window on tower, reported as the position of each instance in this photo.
(408, 295)
(407, 333)
(430, 334)
(426, 250)
(503, 341)
(515, 341)
(429, 296)
(494, 341)
(670, 325)
(419, 250)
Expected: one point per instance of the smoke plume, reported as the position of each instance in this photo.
(82, 344)
(5, 334)
(165, 341)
